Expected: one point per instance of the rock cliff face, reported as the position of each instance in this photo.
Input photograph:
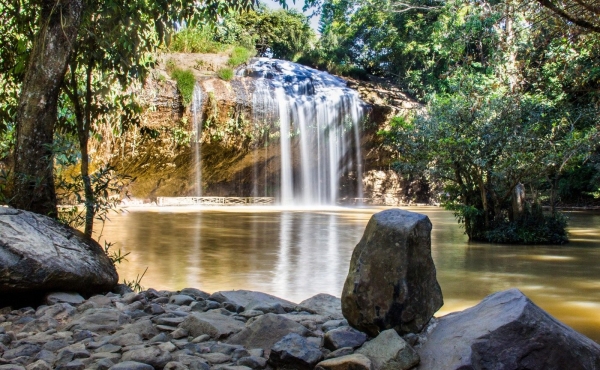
(240, 155)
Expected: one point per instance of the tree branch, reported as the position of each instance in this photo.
(560, 12)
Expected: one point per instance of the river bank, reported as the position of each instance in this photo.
(150, 328)
(245, 330)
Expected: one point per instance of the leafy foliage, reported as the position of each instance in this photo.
(481, 140)
(282, 34)
(195, 40)
(533, 228)
(108, 51)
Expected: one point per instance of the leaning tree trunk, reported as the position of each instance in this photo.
(36, 115)
(518, 202)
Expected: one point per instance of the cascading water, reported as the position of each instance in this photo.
(318, 119)
(197, 137)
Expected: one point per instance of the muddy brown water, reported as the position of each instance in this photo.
(297, 253)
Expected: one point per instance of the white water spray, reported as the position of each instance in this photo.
(197, 137)
(319, 128)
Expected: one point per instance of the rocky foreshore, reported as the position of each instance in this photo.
(240, 330)
(187, 329)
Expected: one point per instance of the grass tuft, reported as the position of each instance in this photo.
(185, 84)
(239, 55)
(225, 74)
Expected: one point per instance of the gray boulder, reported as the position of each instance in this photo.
(344, 337)
(252, 362)
(64, 297)
(153, 356)
(98, 320)
(39, 254)
(390, 352)
(324, 304)
(197, 293)
(26, 349)
(266, 330)
(350, 362)
(143, 327)
(39, 365)
(212, 323)
(181, 299)
(506, 331)
(294, 352)
(392, 280)
(249, 299)
(340, 352)
(131, 365)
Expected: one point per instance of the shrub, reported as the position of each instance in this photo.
(225, 73)
(186, 82)
(239, 55)
(533, 228)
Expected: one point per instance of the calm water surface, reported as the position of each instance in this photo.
(295, 254)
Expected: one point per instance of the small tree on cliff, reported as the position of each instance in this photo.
(90, 37)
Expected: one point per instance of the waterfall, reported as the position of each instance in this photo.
(197, 137)
(319, 128)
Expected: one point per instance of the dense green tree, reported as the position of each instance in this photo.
(282, 34)
(482, 141)
(58, 26)
(516, 103)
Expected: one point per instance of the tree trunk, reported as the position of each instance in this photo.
(484, 202)
(518, 201)
(83, 131)
(36, 116)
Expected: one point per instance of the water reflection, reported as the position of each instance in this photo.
(295, 254)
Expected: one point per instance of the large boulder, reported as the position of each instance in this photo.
(506, 331)
(344, 337)
(349, 362)
(392, 282)
(39, 254)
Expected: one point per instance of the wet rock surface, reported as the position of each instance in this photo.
(391, 283)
